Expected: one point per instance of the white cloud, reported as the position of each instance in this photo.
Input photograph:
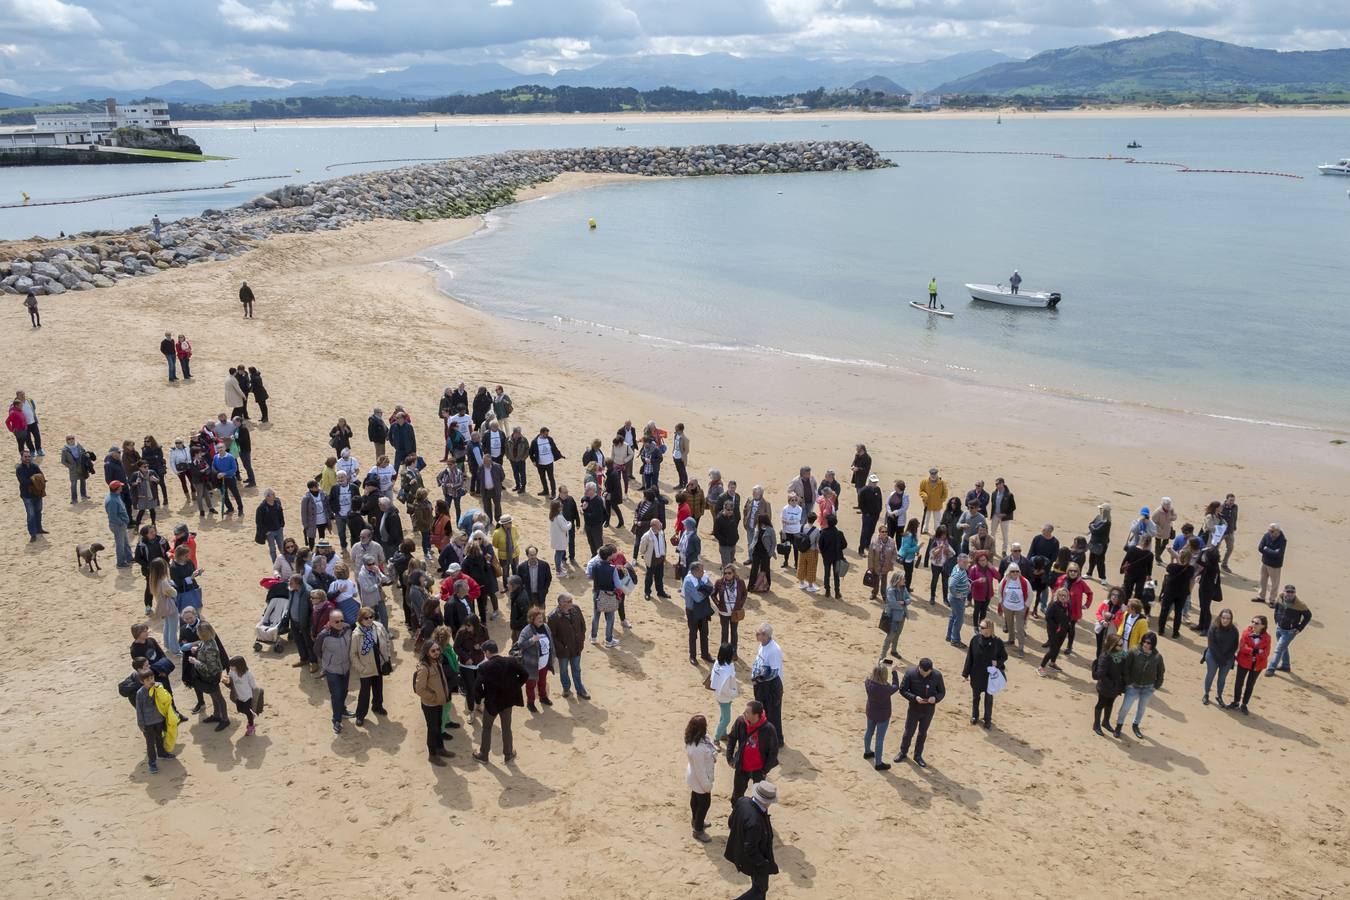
(277, 16)
(53, 15)
(500, 3)
(354, 6)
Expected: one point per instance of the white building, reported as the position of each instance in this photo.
(65, 129)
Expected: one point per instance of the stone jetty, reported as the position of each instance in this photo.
(453, 188)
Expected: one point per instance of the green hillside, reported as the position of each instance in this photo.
(1168, 62)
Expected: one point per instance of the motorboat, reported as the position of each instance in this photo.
(1003, 295)
(1341, 167)
(1133, 145)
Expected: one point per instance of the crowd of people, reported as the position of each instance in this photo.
(428, 559)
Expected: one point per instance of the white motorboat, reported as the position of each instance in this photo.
(1341, 167)
(1002, 294)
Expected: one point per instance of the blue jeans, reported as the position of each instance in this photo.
(572, 663)
(274, 540)
(1280, 658)
(559, 557)
(595, 623)
(32, 507)
(955, 620)
(1134, 695)
(879, 729)
(122, 544)
(171, 634)
(723, 720)
(337, 693)
(78, 483)
(173, 366)
(1211, 668)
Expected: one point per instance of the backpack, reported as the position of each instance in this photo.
(803, 539)
(128, 686)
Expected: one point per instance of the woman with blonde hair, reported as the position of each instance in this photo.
(164, 596)
(1057, 625)
(880, 690)
(808, 555)
(385, 472)
(328, 475)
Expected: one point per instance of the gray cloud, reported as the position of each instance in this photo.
(51, 43)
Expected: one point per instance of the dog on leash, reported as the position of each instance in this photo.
(87, 555)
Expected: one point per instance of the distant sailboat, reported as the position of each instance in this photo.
(255, 126)
(435, 126)
(999, 121)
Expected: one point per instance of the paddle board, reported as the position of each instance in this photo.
(926, 308)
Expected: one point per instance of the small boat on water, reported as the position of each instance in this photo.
(1341, 167)
(1003, 295)
(1133, 145)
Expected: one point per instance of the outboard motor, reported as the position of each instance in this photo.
(1054, 301)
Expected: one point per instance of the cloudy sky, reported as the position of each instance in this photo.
(58, 43)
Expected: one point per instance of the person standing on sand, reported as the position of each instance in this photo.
(922, 686)
(869, 503)
(255, 385)
(986, 650)
(333, 647)
(183, 349)
(30, 303)
(1252, 655)
(879, 693)
(169, 352)
(1221, 647)
(1144, 672)
(1272, 547)
(933, 493)
(1291, 617)
(1228, 510)
(500, 679)
(32, 489)
(246, 298)
(699, 774)
(750, 839)
(767, 675)
(1108, 670)
(433, 689)
(752, 748)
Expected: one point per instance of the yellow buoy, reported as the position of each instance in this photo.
(24, 194)
(591, 224)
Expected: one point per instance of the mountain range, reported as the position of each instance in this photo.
(760, 75)
(1168, 61)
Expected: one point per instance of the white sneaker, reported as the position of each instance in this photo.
(612, 644)
(812, 589)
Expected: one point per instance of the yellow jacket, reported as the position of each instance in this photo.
(164, 703)
(499, 544)
(934, 494)
(1137, 631)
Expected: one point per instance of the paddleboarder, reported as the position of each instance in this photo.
(932, 294)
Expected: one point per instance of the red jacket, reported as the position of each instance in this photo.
(448, 586)
(15, 421)
(1080, 596)
(1105, 609)
(982, 582)
(1253, 649)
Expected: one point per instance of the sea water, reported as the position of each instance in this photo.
(1218, 294)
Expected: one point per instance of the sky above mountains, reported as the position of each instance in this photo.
(47, 44)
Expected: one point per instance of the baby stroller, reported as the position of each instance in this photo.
(276, 620)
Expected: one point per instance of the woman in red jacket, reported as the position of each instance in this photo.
(1080, 598)
(1253, 651)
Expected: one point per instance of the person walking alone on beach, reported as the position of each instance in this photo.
(31, 304)
(246, 298)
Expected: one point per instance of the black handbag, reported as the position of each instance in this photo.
(382, 665)
(885, 622)
(869, 578)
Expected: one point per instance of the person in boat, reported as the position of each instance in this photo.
(932, 293)
(1015, 281)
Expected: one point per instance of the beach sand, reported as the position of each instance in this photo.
(813, 115)
(1210, 804)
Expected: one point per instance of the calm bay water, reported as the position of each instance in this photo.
(1219, 294)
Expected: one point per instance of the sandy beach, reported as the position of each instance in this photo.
(813, 115)
(1209, 804)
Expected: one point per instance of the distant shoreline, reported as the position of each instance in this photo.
(629, 118)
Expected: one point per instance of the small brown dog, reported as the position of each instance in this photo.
(87, 555)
